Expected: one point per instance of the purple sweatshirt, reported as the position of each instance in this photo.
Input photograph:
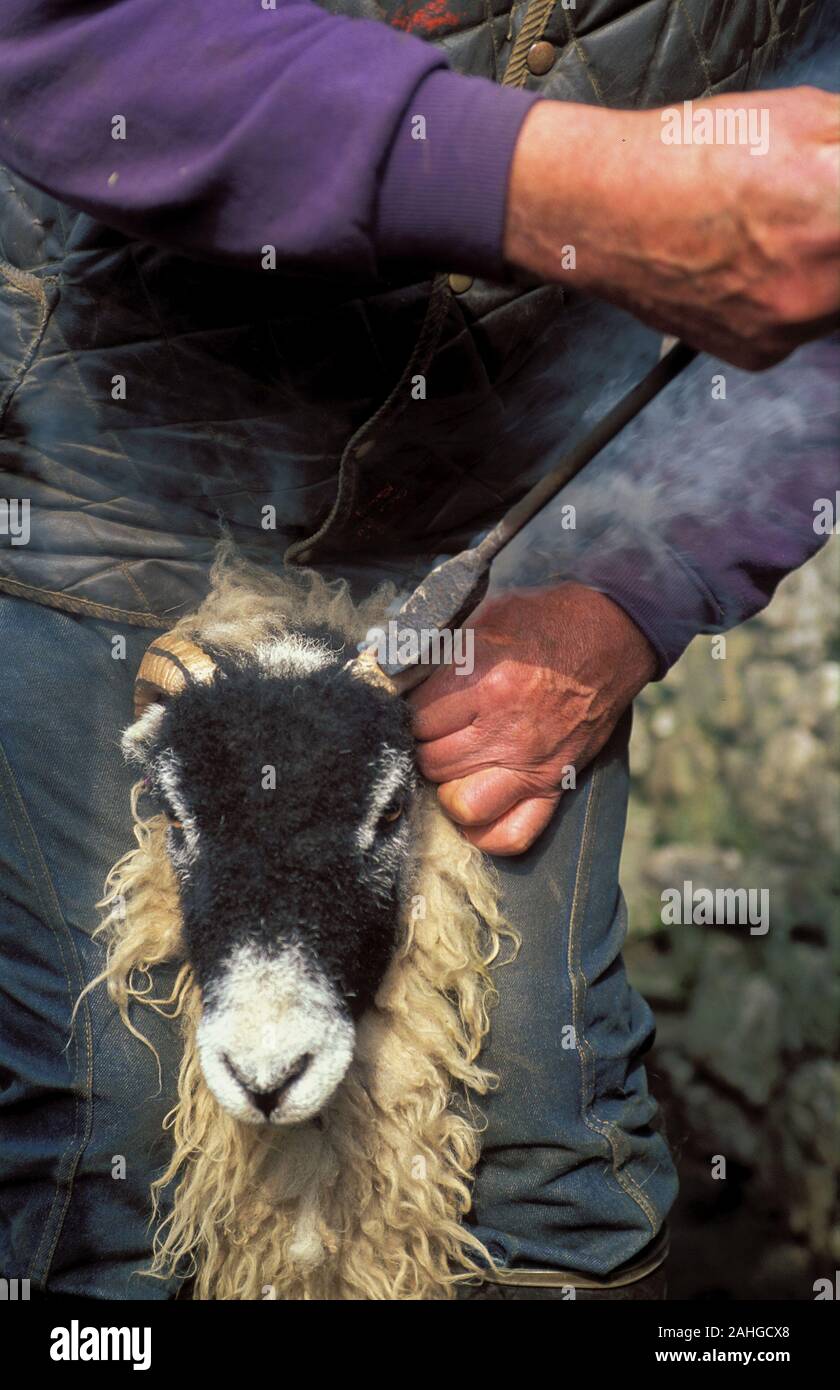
(248, 127)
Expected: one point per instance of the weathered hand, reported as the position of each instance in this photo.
(554, 670)
(737, 253)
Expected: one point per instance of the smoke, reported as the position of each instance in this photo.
(696, 468)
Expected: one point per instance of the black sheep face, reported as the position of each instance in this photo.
(291, 787)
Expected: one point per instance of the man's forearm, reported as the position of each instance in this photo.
(295, 129)
(738, 255)
(246, 128)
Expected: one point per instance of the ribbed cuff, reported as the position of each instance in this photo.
(669, 614)
(443, 189)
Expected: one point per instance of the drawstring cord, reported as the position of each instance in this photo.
(536, 17)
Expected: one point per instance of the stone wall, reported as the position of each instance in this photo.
(736, 769)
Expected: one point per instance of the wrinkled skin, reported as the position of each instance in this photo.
(554, 671)
(737, 254)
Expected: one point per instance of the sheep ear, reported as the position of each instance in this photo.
(166, 667)
(139, 738)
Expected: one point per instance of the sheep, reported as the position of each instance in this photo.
(334, 933)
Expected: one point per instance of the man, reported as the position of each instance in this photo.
(287, 265)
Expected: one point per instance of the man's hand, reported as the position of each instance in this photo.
(738, 254)
(554, 670)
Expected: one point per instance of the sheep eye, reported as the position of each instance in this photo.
(392, 812)
(176, 824)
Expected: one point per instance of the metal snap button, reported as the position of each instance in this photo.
(459, 284)
(541, 57)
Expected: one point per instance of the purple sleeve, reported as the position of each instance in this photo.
(247, 127)
(715, 500)
(697, 510)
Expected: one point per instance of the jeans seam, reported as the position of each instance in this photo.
(54, 919)
(605, 1129)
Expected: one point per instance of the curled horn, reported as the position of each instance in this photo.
(365, 667)
(166, 666)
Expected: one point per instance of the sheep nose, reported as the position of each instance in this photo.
(267, 1101)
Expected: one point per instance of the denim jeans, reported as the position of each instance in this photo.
(572, 1174)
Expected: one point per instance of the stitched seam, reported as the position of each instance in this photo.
(10, 188)
(603, 1128)
(757, 51)
(131, 581)
(54, 919)
(92, 401)
(653, 55)
(490, 21)
(120, 565)
(70, 603)
(34, 288)
(583, 59)
(706, 65)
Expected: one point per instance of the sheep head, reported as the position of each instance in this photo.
(290, 788)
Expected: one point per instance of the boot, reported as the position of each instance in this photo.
(643, 1278)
